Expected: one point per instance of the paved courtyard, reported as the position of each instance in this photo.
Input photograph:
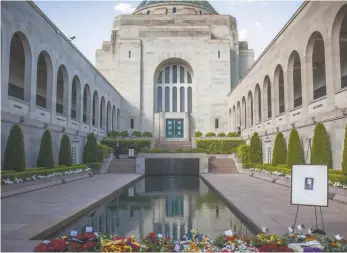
(268, 204)
(26, 215)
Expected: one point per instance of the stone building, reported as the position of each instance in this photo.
(299, 79)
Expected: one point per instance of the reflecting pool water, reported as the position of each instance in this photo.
(167, 205)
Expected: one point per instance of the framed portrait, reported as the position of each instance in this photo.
(310, 185)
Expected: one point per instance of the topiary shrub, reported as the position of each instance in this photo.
(147, 134)
(210, 134)
(321, 152)
(221, 134)
(65, 156)
(14, 152)
(124, 134)
(100, 154)
(255, 153)
(295, 154)
(232, 134)
(45, 157)
(112, 134)
(344, 154)
(198, 134)
(136, 134)
(279, 154)
(90, 149)
(242, 153)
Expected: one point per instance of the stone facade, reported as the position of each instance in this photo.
(28, 39)
(300, 79)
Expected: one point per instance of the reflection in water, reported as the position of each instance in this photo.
(168, 205)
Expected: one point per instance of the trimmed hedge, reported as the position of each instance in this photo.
(321, 152)
(125, 144)
(41, 172)
(124, 134)
(210, 134)
(218, 146)
(344, 154)
(198, 134)
(255, 153)
(243, 153)
(279, 154)
(221, 134)
(65, 156)
(90, 149)
(136, 134)
(112, 134)
(45, 157)
(232, 134)
(295, 154)
(14, 152)
(158, 150)
(147, 134)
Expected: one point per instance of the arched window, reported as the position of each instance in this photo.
(244, 113)
(200, 12)
(294, 80)
(267, 97)
(159, 99)
(190, 99)
(182, 107)
(95, 108)
(174, 10)
(257, 104)
(148, 12)
(174, 99)
(44, 80)
(108, 117)
(114, 118)
(343, 48)
(86, 104)
(118, 119)
(238, 118)
(102, 113)
(250, 108)
(167, 99)
(75, 98)
(279, 81)
(62, 91)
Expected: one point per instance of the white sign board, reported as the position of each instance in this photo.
(309, 185)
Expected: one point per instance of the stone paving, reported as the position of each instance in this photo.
(268, 204)
(26, 215)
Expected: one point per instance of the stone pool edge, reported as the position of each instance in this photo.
(244, 218)
(59, 225)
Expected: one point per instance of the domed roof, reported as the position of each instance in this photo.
(200, 3)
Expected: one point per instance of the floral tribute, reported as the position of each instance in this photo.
(194, 241)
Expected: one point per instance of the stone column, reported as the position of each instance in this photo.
(90, 113)
(67, 98)
(79, 105)
(304, 85)
(53, 95)
(30, 83)
(329, 74)
(5, 67)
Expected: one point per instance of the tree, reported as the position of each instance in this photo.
(344, 154)
(279, 154)
(45, 157)
(321, 152)
(255, 154)
(90, 149)
(14, 152)
(295, 154)
(65, 156)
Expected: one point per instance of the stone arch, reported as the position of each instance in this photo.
(102, 113)
(114, 118)
(62, 100)
(250, 120)
(294, 80)
(315, 58)
(95, 110)
(267, 101)
(257, 103)
(244, 113)
(75, 99)
(44, 81)
(108, 117)
(86, 105)
(339, 47)
(20, 67)
(279, 90)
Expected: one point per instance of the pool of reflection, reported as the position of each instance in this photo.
(167, 205)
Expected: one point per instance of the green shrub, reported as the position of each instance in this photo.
(321, 152)
(41, 172)
(344, 154)
(7, 171)
(338, 172)
(249, 165)
(218, 146)
(136, 134)
(94, 165)
(281, 165)
(242, 153)
(125, 144)
(65, 156)
(221, 134)
(14, 152)
(90, 149)
(255, 153)
(147, 134)
(112, 134)
(100, 154)
(279, 154)
(198, 134)
(210, 134)
(124, 134)
(45, 157)
(232, 134)
(295, 154)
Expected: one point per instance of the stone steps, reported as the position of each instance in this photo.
(221, 165)
(122, 166)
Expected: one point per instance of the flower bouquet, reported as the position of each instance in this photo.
(156, 243)
(56, 245)
(232, 243)
(332, 244)
(119, 244)
(83, 242)
(195, 242)
(262, 239)
(272, 247)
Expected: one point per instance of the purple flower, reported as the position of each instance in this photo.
(310, 249)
